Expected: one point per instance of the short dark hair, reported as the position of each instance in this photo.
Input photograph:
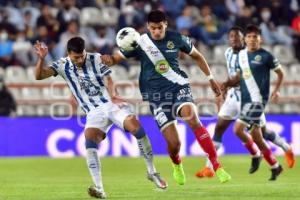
(252, 29)
(156, 16)
(236, 28)
(75, 44)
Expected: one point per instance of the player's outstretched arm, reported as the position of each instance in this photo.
(40, 71)
(112, 59)
(201, 62)
(275, 93)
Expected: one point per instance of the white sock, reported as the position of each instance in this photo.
(146, 150)
(217, 145)
(94, 166)
(281, 142)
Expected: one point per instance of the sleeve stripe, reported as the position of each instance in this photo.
(193, 49)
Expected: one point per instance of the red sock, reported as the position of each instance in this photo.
(207, 145)
(176, 159)
(251, 148)
(269, 157)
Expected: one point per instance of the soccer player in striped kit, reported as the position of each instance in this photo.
(90, 83)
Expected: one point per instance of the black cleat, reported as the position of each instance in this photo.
(275, 173)
(255, 164)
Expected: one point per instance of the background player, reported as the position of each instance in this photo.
(85, 75)
(231, 108)
(167, 89)
(255, 64)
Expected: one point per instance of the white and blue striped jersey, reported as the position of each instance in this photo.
(231, 62)
(232, 68)
(85, 83)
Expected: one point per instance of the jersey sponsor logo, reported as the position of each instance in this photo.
(170, 45)
(247, 73)
(162, 66)
(89, 87)
(152, 51)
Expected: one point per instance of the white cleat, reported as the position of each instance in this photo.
(96, 192)
(157, 180)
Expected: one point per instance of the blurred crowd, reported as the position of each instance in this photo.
(97, 21)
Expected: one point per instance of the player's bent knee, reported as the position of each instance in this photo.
(94, 134)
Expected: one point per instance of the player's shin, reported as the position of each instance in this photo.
(276, 139)
(145, 149)
(93, 162)
(207, 145)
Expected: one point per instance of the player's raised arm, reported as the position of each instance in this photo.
(42, 72)
(280, 76)
(110, 60)
(201, 62)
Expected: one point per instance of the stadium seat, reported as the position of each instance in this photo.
(267, 47)
(26, 110)
(197, 75)
(284, 54)
(219, 53)
(43, 110)
(15, 74)
(220, 72)
(119, 73)
(110, 16)
(28, 93)
(91, 16)
(294, 72)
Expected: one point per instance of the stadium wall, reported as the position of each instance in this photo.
(36, 136)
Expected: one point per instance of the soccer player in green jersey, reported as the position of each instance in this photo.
(166, 87)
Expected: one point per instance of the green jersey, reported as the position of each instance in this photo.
(255, 75)
(160, 72)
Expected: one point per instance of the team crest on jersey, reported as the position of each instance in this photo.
(170, 45)
(257, 59)
(247, 73)
(89, 87)
(162, 66)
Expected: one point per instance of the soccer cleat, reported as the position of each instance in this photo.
(275, 172)
(205, 172)
(255, 164)
(290, 158)
(96, 192)
(178, 174)
(159, 182)
(223, 175)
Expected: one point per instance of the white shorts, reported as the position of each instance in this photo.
(105, 115)
(231, 108)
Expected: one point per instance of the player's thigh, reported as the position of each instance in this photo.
(97, 119)
(124, 118)
(94, 134)
(222, 125)
(170, 134)
(162, 112)
(189, 114)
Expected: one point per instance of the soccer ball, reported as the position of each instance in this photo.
(128, 39)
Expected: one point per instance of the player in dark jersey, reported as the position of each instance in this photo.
(231, 109)
(166, 87)
(255, 64)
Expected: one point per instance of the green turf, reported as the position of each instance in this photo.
(124, 178)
